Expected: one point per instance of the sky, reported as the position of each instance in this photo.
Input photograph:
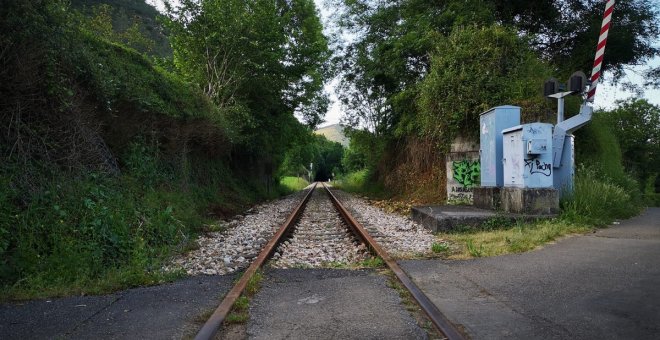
(606, 95)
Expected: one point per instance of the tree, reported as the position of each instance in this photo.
(327, 162)
(261, 62)
(326, 157)
(102, 21)
(566, 32)
(394, 41)
(636, 124)
(473, 70)
(262, 55)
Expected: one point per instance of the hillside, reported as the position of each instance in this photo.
(334, 133)
(127, 12)
(111, 163)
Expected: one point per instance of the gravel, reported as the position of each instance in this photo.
(399, 235)
(233, 249)
(320, 239)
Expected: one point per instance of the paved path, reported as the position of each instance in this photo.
(604, 285)
(160, 312)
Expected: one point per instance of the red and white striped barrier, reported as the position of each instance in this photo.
(600, 50)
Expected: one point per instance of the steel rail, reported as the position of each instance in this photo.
(210, 328)
(437, 318)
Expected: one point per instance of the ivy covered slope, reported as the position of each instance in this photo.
(113, 160)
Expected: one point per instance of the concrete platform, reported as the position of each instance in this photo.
(449, 217)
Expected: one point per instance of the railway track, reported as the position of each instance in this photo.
(313, 235)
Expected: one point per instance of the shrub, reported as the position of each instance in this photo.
(599, 200)
(293, 183)
(473, 70)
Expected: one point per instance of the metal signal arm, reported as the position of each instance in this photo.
(567, 127)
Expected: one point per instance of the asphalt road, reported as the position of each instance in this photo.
(160, 312)
(329, 304)
(604, 285)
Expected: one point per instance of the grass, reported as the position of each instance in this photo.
(95, 235)
(293, 183)
(43, 286)
(254, 283)
(240, 310)
(519, 238)
(372, 262)
(440, 247)
(598, 199)
(359, 182)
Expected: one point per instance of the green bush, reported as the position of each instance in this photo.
(97, 233)
(472, 70)
(598, 200)
(361, 182)
(78, 230)
(293, 183)
(651, 197)
(354, 181)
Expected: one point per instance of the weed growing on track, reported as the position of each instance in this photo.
(254, 283)
(240, 310)
(411, 306)
(335, 265)
(372, 262)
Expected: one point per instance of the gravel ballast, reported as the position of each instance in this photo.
(318, 241)
(399, 235)
(233, 249)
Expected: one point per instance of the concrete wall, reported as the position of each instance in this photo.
(463, 170)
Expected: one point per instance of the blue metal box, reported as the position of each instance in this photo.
(528, 156)
(491, 124)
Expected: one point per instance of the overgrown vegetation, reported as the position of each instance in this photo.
(314, 158)
(124, 136)
(293, 183)
(520, 238)
(417, 74)
(134, 23)
(112, 163)
(597, 201)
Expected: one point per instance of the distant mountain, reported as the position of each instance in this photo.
(124, 14)
(334, 133)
